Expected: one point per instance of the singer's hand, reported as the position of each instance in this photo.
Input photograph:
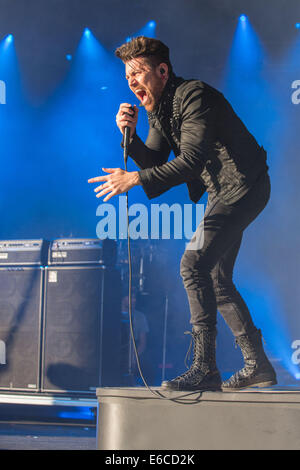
(118, 181)
(126, 117)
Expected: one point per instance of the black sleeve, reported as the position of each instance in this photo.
(195, 142)
(155, 151)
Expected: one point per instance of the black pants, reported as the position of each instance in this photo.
(207, 268)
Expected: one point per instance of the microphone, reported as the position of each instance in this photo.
(126, 137)
(127, 140)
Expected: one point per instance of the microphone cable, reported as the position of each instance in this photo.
(156, 393)
(126, 144)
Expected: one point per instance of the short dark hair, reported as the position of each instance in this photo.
(141, 46)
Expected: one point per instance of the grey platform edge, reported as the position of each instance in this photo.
(138, 419)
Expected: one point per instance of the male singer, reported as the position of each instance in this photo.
(214, 152)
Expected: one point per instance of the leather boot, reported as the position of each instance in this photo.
(257, 370)
(203, 373)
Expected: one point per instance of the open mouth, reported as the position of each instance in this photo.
(142, 95)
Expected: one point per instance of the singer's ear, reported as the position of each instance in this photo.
(163, 71)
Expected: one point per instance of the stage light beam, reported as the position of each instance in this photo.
(87, 32)
(9, 38)
(147, 30)
(7, 41)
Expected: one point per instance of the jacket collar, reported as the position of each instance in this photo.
(165, 105)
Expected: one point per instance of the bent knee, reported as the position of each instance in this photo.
(191, 262)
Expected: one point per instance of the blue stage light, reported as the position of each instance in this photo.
(297, 25)
(9, 38)
(7, 41)
(147, 30)
(80, 413)
(243, 18)
(68, 56)
(87, 32)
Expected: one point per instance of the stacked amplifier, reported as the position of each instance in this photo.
(60, 315)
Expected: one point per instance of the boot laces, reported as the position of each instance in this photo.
(188, 354)
(200, 366)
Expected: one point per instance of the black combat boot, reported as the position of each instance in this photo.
(203, 373)
(257, 370)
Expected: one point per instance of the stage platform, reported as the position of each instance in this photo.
(36, 436)
(47, 422)
(254, 419)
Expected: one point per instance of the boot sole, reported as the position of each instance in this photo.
(208, 385)
(268, 383)
(191, 389)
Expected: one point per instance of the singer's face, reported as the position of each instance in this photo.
(145, 81)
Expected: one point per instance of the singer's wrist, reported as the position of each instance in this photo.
(136, 178)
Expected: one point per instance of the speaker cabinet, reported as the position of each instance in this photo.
(20, 327)
(81, 333)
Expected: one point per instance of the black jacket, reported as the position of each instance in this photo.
(213, 150)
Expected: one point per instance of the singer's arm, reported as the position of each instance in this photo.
(154, 152)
